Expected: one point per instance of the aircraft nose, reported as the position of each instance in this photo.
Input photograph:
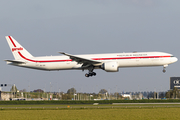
(175, 59)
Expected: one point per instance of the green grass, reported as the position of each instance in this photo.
(85, 105)
(93, 114)
(90, 112)
(90, 102)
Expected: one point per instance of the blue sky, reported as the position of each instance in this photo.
(84, 27)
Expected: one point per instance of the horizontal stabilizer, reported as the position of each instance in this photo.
(15, 61)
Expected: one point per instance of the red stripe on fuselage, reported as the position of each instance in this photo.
(118, 58)
(12, 41)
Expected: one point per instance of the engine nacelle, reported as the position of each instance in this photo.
(110, 67)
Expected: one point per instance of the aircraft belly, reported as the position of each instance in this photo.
(50, 66)
(60, 65)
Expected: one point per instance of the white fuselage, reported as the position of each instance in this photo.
(139, 59)
(108, 62)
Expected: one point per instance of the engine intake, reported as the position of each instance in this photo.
(110, 67)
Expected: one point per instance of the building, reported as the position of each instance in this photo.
(127, 96)
(5, 96)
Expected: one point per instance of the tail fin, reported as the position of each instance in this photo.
(17, 49)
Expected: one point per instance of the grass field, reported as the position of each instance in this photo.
(104, 112)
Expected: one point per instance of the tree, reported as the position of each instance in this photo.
(161, 94)
(24, 90)
(66, 97)
(71, 91)
(13, 89)
(103, 91)
(173, 93)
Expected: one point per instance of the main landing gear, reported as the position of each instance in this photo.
(164, 68)
(91, 73)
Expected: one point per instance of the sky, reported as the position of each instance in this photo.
(90, 27)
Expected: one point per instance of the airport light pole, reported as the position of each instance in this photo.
(59, 94)
(116, 92)
(0, 93)
(109, 94)
(50, 87)
(14, 89)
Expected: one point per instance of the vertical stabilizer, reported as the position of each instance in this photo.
(17, 49)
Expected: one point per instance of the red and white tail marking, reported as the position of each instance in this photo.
(16, 48)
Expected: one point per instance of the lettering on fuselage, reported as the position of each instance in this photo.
(127, 55)
(14, 49)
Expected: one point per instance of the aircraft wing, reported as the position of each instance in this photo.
(15, 61)
(80, 60)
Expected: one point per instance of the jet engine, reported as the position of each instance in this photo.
(110, 67)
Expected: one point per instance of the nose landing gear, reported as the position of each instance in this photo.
(164, 68)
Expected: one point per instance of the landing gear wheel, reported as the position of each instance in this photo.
(164, 71)
(94, 73)
(90, 74)
(87, 75)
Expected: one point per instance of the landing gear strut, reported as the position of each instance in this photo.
(164, 68)
(91, 73)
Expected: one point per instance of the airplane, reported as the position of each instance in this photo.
(108, 62)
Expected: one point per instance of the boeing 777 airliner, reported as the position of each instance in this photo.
(108, 62)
